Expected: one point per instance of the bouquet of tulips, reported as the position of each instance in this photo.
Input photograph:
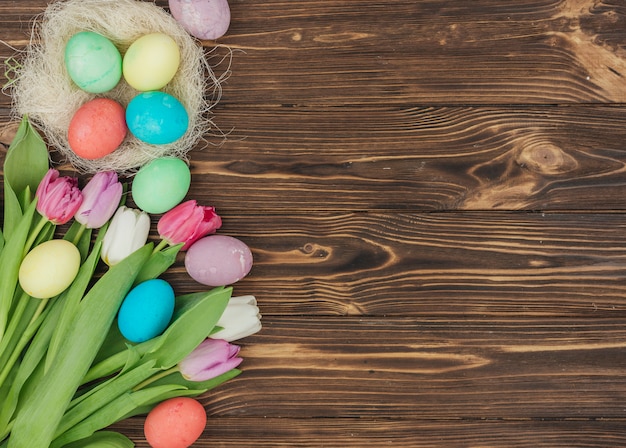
(66, 371)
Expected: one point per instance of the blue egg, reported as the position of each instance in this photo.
(146, 310)
(156, 117)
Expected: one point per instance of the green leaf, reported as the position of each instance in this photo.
(27, 161)
(193, 311)
(158, 263)
(104, 393)
(200, 386)
(113, 412)
(191, 325)
(12, 211)
(103, 439)
(10, 261)
(37, 420)
(73, 295)
(32, 358)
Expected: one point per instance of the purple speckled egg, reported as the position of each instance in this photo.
(218, 260)
(204, 19)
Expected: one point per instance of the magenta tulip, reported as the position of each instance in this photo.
(58, 198)
(187, 223)
(211, 358)
(101, 197)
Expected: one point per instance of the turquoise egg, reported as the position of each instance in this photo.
(146, 310)
(157, 118)
(93, 62)
(161, 184)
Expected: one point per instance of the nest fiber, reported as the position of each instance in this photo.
(43, 90)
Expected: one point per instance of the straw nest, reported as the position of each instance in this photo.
(42, 89)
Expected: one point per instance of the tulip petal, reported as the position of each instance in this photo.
(211, 358)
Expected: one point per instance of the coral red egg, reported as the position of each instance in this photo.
(175, 423)
(97, 128)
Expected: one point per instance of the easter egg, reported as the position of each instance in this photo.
(97, 128)
(151, 62)
(218, 260)
(161, 184)
(157, 118)
(93, 62)
(146, 310)
(204, 19)
(175, 423)
(49, 268)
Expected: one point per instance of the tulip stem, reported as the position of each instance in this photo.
(30, 330)
(155, 377)
(79, 234)
(33, 236)
(159, 246)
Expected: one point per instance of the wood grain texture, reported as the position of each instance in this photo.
(434, 264)
(434, 194)
(360, 432)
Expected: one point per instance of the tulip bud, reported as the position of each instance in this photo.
(240, 319)
(101, 198)
(211, 358)
(187, 223)
(58, 198)
(127, 232)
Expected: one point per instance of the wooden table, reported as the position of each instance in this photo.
(434, 193)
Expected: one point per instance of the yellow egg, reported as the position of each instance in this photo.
(151, 62)
(49, 268)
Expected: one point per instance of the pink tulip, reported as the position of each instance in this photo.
(211, 358)
(187, 223)
(58, 198)
(102, 196)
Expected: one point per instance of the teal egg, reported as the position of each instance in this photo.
(146, 310)
(157, 118)
(161, 184)
(93, 62)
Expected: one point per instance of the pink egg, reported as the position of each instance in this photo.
(218, 260)
(97, 128)
(204, 19)
(175, 423)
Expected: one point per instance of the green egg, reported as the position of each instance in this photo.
(93, 62)
(161, 184)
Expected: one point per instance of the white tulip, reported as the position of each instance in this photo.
(127, 232)
(241, 318)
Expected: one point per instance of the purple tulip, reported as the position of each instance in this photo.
(58, 198)
(211, 358)
(102, 196)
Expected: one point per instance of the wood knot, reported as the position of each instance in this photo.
(546, 158)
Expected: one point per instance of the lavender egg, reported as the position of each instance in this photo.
(218, 260)
(204, 19)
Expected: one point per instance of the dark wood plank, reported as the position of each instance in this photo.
(433, 193)
(412, 158)
(421, 265)
(360, 432)
(417, 52)
(406, 158)
(437, 369)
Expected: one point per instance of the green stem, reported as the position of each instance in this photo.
(32, 327)
(33, 236)
(14, 321)
(79, 234)
(156, 377)
(160, 246)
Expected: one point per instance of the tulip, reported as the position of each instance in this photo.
(127, 232)
(187, 223)
(241, 318)
(58, 198)
(211, 358)
(102, 196)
